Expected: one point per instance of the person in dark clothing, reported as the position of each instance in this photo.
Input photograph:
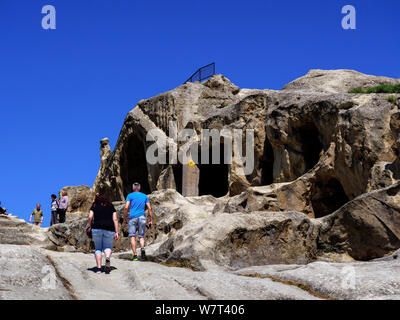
(103, 223)
(54, 208)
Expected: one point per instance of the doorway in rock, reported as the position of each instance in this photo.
(267, 164)
(311, 145)
(214, 177)
(133, 165)
(177, 170)
(327, 196)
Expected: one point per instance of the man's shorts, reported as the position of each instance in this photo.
(137, 224)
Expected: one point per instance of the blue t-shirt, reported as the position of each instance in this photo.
(138, 202)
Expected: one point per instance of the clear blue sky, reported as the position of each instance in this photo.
(63, 90)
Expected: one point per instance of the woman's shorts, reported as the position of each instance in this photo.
(103, 240)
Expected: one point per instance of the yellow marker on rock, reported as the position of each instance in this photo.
(191, 163)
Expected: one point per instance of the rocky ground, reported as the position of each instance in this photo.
(30, 270)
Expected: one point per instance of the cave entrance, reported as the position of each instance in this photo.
(133, 165)
(267, 164)
(178, 174)
(311, 145)
(213, 178)
(327, 197)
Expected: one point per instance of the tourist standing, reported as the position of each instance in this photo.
(54, 208)
(62, 207)
(37, 215)
(103, 224)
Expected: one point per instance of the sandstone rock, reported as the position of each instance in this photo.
(336, 81)
(16, 231)
(80, 199)
(359, 280)
(71, 234)
(105, 154)
(337, 144)
(27, 274)
(366, 227)
(145, 280)
(238, 240)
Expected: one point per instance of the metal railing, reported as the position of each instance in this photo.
(203, 73)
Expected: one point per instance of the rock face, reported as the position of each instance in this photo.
(338, 144)
(17, 231)
(28, 274)
(80, 199)
(336, 81)
(317, 149)
(375, 280)
(366, 227)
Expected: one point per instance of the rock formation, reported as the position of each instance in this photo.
(325, 188)
(319, 151)
(80, 198)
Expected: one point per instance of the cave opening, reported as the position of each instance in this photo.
(267, 164)
(311, 145)
(213, 179)
(133, 165)
(177, 171)
(327, 196)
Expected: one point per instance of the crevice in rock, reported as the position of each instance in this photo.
(327, 195)
(267, 164)
(64, 281)
(297, 284)
(134, 165)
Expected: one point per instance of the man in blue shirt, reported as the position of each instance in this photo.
(136, 203)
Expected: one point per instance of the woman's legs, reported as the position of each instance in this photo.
(98, 260)
(98, 243)
(108, 239)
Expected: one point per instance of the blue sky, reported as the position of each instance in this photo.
(63, 90)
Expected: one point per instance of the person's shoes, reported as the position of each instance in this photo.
(98, 270)
(135, 258)
(143, 254)
(107, 268)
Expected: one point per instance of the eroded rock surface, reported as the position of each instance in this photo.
(80, 198)
(27, 274)
(360, 280)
